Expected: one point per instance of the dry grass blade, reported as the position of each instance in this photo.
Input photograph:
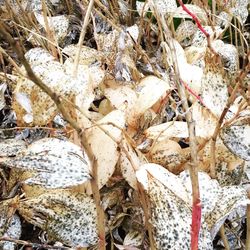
(82, 36)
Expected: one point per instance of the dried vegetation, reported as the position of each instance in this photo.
(124, 124)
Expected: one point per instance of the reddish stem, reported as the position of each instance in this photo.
(194, 17)
(193, 93)
(196, 224)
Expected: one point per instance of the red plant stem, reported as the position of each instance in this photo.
(196, 209)
(193, 93)
(196, 223)
(194, 17)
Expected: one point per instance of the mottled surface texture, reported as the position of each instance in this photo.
(55, 163)
(66, 217)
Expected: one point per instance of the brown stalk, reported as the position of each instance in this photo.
(49, 31)
(224, 237)
(82, 36)
(62, 108)
(248, 223)
(193, 170)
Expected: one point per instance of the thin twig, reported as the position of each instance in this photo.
(82, 36)
(224, 237)
(33, 245)
(248, 223)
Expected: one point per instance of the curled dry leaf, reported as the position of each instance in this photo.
(103, 140)
(236, 8)
(66, 217)
(133, 238)
(149, 91)
(87, 55)
(230, 200)
(142, 8)
(107, 42)
(190, 74)
(214, 82)
(49, 167)
(205, 122)
(121, 97)
(195, 54)
(199, 38)
(223, 20)
(177, 129)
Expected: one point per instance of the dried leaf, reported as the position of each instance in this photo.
(168, 154)
(11, 147)
(170, 206)
(229, 200)
(133, 238)
(199, 38)
(236, 138)
(107, 42)
(3, 87)
(87, 55)
(130, 161)
(217, 202)
(229, 167)
(163, 7)
(149, 91)
(50, 167)
(66, 217)
(205, 122)
(170, 209)
(190, 74)
(185, 31)
(229, 56)
(168, 130)
(236, 8)
(13, 231)
(104, 145)
(58, 77)
(10, 223)
(121, 97)
(214, 86)
(59, 25)
(142, 8)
